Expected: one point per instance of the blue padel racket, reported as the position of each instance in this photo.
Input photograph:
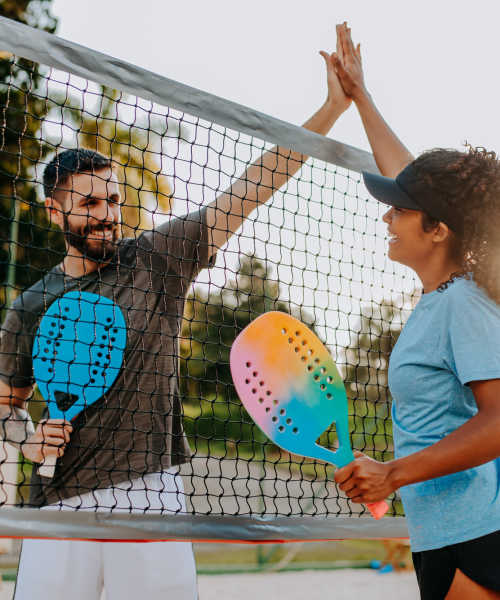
(77, 354)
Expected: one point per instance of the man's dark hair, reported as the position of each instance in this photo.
(70, 162)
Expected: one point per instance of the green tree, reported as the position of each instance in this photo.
(214, 415)
(23, 225)
(366, 373)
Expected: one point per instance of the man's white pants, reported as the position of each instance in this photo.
(60, 569)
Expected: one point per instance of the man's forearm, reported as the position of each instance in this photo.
(474, 443)
(391, 155)
(274, 168)
(262, 178)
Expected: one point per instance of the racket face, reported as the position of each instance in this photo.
(287, 381)
(78, 351)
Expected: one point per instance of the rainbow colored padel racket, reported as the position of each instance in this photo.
(290, 386)
(77, 355)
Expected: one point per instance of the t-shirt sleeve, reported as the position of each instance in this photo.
(16, 365)
(182, 244)
(474, 336)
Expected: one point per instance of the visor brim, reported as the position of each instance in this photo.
(388, 191)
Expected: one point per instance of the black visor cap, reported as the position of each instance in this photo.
(388, 191)
(410, 190)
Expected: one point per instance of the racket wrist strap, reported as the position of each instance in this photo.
(16, 425)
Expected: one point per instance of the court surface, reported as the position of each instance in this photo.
(346, 584)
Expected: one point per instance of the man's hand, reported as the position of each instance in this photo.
(365, 480)
(50, 439)
(336, 95)
(347, 63)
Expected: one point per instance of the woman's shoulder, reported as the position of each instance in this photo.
(464, 292)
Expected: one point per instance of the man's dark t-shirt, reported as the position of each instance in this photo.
(136, 427)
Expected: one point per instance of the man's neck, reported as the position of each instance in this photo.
(76, 265)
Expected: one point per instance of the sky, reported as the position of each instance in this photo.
(430, 66)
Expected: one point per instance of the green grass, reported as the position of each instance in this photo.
(323, 555)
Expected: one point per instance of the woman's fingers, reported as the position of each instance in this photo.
(352, 49)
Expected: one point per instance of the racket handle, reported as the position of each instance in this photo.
(48, 467)
(378, 509)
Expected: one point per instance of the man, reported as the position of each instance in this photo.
(121, 452)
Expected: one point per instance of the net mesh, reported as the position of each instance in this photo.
(315, 250)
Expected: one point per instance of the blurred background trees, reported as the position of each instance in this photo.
(32, 116)
(214, 415)
(22, 114)
(366, 362)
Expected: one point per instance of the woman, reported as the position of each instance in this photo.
(444, 373)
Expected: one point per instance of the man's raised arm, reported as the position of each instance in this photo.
(272, 170)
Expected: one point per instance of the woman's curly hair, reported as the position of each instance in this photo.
(470, 181)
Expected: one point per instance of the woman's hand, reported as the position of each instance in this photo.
(347, 63)
(365, 480)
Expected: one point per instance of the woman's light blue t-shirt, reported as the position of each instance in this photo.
(451, 338)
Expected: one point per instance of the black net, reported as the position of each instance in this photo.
(315, 249)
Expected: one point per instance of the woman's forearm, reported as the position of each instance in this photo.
(391, 155)
(474, 443)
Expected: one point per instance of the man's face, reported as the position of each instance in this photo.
(91, 214)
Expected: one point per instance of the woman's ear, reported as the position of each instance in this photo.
(441, 233)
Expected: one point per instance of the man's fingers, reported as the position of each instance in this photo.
(326, 56)
(55, 430)
(344, 42)
(53, 441)
(60, 424)
(55, 422)
(338, 29)
(339, 67)
(358, 52)
(52, 450)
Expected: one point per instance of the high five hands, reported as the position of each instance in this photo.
(344, 66)
(336, 95)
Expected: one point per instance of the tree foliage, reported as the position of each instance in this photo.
(366, 373)
(22, 114)
(28, 101)
(212, 320)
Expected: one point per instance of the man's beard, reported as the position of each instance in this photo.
(97, 250)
